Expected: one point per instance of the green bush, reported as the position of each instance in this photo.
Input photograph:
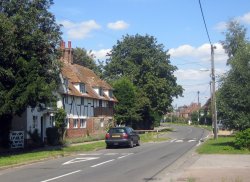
(36, 139)
(242, 139)
(53, 136)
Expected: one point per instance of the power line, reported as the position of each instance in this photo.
(204, 21)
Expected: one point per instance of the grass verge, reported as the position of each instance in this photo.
(223, 145)
(34, 156)
(55, 152)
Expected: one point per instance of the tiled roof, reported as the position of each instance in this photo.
(79, 74)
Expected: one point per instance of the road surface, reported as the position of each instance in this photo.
(143, 163)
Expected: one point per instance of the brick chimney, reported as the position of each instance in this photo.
(67, 53)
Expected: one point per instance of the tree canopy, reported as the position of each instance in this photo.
(233, 94)
(29, 69)
(147, 65)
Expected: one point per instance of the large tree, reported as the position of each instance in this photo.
(148, 67)
(233, 95)
(28, 61)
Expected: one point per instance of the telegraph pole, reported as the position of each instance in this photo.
(198, 106)
(213, 103)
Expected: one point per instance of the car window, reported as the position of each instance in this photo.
(116, 130)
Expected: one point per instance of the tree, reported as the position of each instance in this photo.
(60, 122)
(28, 62)
(147, 66)
(126, 111)
(233, 95)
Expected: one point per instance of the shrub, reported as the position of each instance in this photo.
(36, 139)
(242, 139)
(52, 136)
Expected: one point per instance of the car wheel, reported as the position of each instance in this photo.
(138, 143)
(131, 144)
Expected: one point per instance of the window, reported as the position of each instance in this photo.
(100, 103)
(66, 100)
(82, 123)
(35, 122)
(110, 93)
(67, 122)
(82, 101)
(100, 91)
(102, 123)
(52, 120)
(66, 83)
(75, 123)
(82, 87)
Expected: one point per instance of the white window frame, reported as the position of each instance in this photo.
(102, 123)
(52, 120)
(75, 123)
(82, 88)
(35, 121)
(67, 122)
(83, 123)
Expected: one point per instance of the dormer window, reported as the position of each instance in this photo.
(82, 88)
(100, 91)
(66, 83)
(110, 93)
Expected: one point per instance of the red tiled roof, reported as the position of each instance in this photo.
(79, 74)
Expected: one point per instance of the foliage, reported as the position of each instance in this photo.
(233, 96)
(36, 139)
(242, 139)
(194, 117)
(86, 59)
(223, 145)
(53, 135)
(147, 66)
(60, 122)
(29, 70)
(126, 112)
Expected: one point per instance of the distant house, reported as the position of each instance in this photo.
(186, 111)
(87, 100)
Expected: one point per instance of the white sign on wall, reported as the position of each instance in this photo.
(17, 139)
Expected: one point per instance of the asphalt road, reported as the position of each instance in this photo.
(143, 163)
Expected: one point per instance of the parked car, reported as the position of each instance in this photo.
(122, 136)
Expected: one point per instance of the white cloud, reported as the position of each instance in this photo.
(221, 26)
(79, 30)
(201, 53)
(244, 19)
(101, 54)
(118, 25)
(191, 74)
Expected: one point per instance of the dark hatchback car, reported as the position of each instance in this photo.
(122, 136)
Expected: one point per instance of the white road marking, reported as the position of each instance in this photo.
(191, 140)
(179, 141)
(91, 154)
(173, 140)
(51, 179)
(198, 143)
(111, 154)
(125, 155)
(82, 159)
(103, 163)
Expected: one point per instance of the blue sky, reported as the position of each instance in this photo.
(177, 24)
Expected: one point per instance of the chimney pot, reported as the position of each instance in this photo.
(69, 44)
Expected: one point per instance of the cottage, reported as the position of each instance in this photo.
(87, 100)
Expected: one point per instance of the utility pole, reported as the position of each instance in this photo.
(198, 106)
(213, 103)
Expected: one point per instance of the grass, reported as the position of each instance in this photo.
(153, 136)
(223, 145)
(33, 156)
(55, 152)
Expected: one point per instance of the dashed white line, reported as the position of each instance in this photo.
(125, 155)
(51, 179)
(103, 163)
